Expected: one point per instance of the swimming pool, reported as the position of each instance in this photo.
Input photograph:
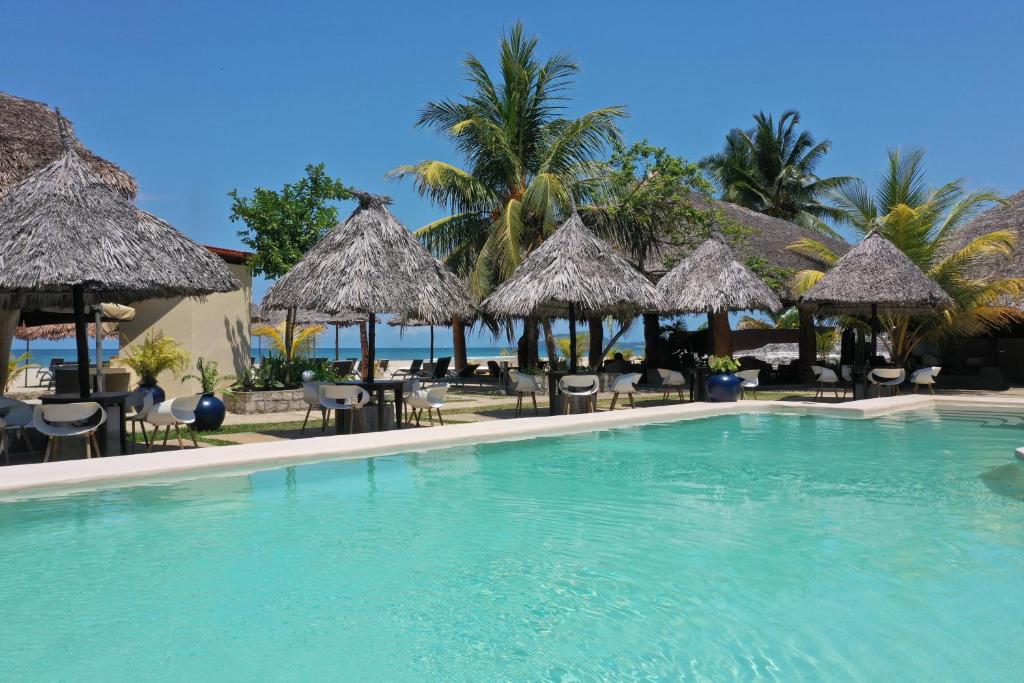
(741, 546)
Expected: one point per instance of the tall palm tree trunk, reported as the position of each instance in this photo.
(808, 346)
(549, 341)
(458, 343)
(721, 333)
(364, 348)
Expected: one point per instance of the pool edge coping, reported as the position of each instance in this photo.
(65, 477)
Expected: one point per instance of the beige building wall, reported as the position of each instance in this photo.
(216, 328)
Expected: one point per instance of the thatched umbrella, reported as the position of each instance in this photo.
(68, 239)
(30, 140)
(573, 274)
(371, 265)
(711, 280)
(876, 277)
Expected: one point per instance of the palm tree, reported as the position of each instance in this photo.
(525, 164)
(770, 169)
(280, 342)
(922, 223)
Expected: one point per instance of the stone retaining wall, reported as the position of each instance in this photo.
(259, 402)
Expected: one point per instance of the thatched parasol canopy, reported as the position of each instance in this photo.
(260, 316)
(876, 277)
(711, 280)
(60, 331)
(371, 265)
(30, 141)
(573, 268)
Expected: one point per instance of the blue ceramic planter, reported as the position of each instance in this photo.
(723, 388)
(156, 391)
(209, 413)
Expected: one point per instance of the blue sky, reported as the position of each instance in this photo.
(196, 99)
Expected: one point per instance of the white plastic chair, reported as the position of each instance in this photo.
(625, 384)
(175, 412)
(15, 416)
(140, 402)
(523, 384)
(891, 378)
(64, 421)
(671, 379)
(349, 397)
(826, 379)
(311, 395)
(750, 381)
(583, 386)
(925, 377)
(430, 399)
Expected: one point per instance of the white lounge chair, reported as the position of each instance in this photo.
(341, 397)
(64, 421)
(826, 379)
(430, 400)
(176, 412)
(625, 384)
(925, 377)
(579, 386)
(139, 402)
(672, 379)
(311, 396)
(15, 416)
(750, 381)
(890, 378)
(523, 384)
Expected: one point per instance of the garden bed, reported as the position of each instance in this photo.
(260, 402)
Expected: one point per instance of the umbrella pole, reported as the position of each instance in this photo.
(337, 348)
(572, 338)
(81, 341)
(28, 357)
(874, 331)
(431, 344)
(97, 331)
(371, 343)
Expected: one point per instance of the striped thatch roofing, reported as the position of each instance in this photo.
(63, 227)
(876, 272)
(371, 264)
(29, 141)
(1009, 216)
(260, 316)
(573, 267)
(61, 331)
(762, 237)
(711, 280)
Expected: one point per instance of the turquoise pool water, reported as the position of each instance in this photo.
(741, 547)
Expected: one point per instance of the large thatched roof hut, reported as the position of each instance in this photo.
(876, 277)
(757, 237)
(371, 265)
(1008, 216)
(30, 141)
(573, 274)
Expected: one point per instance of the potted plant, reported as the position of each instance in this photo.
(155, 355)
(723, 384)
(210, 409)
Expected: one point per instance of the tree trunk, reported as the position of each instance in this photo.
(458, 343)
(527, 347)
(808, 345)
(652, 342)
(364, 349)
(289, 340)
(549, 341)
(8, 324)
(596, 330)
(721, 333)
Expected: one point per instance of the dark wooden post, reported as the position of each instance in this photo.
(596, 330)
(808, 345)
(721, 333)
(81, 341)
(458, 343)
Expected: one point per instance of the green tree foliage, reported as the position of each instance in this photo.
(770, 168)
(281, 226)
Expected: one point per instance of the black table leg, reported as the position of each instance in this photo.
(124, 435)
(552, 396)
(337, 422)
(380, 409)
(398, 407)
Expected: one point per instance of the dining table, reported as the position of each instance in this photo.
(106, 399)
(378, 389)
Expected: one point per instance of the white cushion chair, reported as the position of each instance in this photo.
(826, 379)
(582, 386)
(671, 379)
(175, 412)
(15, 416)
(625, 384)
(429, 399)
(890, 378)
(925, 377)
(311, 396)
(65, 421)
(523, 384)
(139, 402)
(342, 397)
(750, 381)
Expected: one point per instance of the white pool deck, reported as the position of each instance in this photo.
(59, 478)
